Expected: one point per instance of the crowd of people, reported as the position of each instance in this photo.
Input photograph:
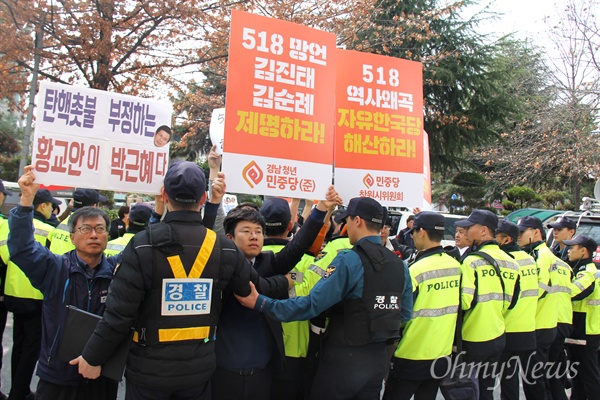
(253, 305)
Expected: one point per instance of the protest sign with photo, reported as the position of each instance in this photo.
(100, 140)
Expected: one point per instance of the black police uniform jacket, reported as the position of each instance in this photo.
(135, 299)
(357, 322)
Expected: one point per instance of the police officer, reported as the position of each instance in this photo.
(562, 229)
(25, 302)
(489, 278)
(370, 293)
(420, 360)
(3, 311)
(520, 320)
(60, 239)
(139, 215)
(586, 314)
(169, 288)
(554, 311)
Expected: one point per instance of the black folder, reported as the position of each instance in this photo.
(79, 328)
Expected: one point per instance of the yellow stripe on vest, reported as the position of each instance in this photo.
(199, 263)
(177, 334)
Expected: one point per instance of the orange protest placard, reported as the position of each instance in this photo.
(379, 102)
(379, 125)
(279, 111)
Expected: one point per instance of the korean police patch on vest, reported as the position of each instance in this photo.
(330, 270)
(382, 302)
(186, 296)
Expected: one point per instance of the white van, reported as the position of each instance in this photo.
(399, 218)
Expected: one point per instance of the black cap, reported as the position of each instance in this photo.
(3, 189)
(429, 220)
(584, 241)
(508, 228)
(530, 222)
(44, 196)
(276, 212)
(562, 222)
(480, 217)
(140, 213)
(365, 207)
(86, 197)
(185, 182)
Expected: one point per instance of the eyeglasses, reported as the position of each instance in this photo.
(86, 229)
(248, 232)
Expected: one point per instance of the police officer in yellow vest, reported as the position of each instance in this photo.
(139, 215)
(420, 359)
(25, 302)
(554, 311)
(60, 239)
(489, 278)
(586, 320)
(520, 320)
(169, 287)
(3, 311)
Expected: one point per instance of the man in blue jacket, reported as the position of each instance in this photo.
(368, 293)
(80, 277)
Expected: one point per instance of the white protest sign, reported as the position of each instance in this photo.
(100, 140)
(217, 128)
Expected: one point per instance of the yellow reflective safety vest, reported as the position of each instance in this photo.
(554, 295)
(296, 333)
(60, 239)
(482, 294)
(521, 318)
(17, 284)
(430, 332)
(590, 306)
(117, 245)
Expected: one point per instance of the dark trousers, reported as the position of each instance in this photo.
(536, 385)
(586, 383)
(94, 389)
(199, 392)
(3, 316)
(350, 372)
(487, 368)
(558, 366)
(398, 389)
(241, 384)
(515, 368)
(288, 381)
(27, 336)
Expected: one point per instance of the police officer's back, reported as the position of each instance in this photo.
(169, 288)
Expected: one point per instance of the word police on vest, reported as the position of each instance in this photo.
(381, 303)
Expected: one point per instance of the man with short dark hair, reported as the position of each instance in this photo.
(404, 237)
(562, 229)
(248, 343)
(369, 292)
(80, 278)
(60, 238)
